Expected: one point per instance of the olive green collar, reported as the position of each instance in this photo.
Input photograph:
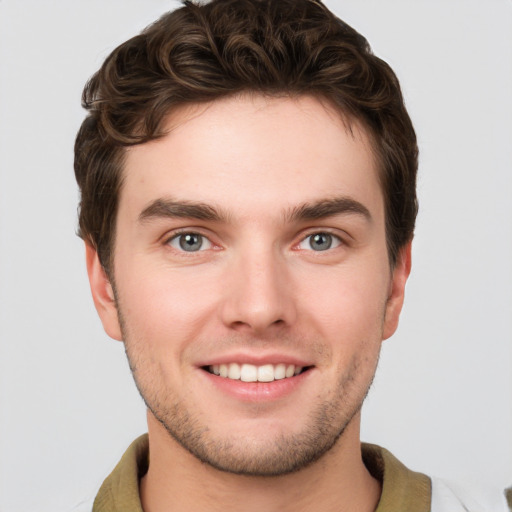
(402, 490)
(120, 490)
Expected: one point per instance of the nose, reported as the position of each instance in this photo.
(258, 294)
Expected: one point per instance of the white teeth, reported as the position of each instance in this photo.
(234, 371)
(279, 371)
(249, 373)
(252, 373)
(266, 373)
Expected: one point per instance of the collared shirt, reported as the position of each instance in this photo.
(403, 490)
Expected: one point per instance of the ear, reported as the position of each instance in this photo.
(102, 294)
(396, 292)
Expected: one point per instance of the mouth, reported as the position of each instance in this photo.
(252, 373)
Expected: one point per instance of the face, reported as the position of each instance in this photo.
(252, 282)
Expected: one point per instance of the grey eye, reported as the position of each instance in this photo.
(190, 242)
(320, 241)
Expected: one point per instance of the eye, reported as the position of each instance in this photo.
(320, 242)
(190, 242)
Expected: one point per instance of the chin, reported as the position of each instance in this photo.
(264, 450)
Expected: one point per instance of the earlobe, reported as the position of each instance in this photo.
(102, 294)
(397, 290)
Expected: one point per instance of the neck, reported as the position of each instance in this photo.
(338, 481)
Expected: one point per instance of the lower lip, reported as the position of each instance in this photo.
(257, 391)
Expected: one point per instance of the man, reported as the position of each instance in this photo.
(247, 174)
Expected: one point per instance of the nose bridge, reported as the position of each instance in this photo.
(258, 295)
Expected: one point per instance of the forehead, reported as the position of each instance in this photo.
(253, 154)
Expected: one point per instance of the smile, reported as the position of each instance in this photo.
(253, 373)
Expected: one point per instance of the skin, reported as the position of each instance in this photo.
(272, 173)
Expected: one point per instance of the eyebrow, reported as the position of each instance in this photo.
(167, 208)
(328, 208)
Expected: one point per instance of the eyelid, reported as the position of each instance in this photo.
(172, 233)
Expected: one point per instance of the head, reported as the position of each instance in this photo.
(247, 172)
(201, 53)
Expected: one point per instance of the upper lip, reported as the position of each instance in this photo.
(256, 359)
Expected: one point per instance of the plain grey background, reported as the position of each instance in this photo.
(442, 398)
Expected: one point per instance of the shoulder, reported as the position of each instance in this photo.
(450, 496)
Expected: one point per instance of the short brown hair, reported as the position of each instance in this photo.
(202, 52)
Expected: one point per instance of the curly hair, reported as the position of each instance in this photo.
(205, 51)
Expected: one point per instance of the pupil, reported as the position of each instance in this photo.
(321, 241)
(191, 242)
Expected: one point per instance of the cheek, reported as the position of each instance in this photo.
(166, 308)
(346, 301)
